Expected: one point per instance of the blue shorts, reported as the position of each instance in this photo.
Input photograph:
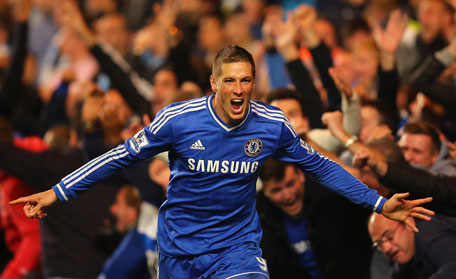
(239, 262)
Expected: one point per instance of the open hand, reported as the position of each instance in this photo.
(399, 209)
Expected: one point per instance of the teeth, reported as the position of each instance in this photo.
(237, 101)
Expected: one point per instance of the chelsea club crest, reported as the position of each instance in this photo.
(253, 147)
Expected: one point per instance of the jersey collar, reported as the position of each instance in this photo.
(219, 121)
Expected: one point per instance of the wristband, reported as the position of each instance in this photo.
(350, 141)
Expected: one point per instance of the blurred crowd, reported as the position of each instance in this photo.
(371, 84)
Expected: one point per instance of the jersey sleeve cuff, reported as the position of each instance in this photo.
(61, 192)
(379, 204)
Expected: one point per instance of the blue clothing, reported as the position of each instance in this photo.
(214, 168)
(232, 262)
(136, 256)
(277, 72)
(300, 242)
(129, 259)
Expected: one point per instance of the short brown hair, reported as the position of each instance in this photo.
(274, 170)
(424, 128)
(231, 54)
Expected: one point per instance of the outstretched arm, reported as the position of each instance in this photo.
(36, 204)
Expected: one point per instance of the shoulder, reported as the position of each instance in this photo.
(265, 111)
(185, 106)
(271, 114)
(175, 110)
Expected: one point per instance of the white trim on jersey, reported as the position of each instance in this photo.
(62, 192)
(171, 112)
(94, 168)
(377, 203)
(273, 115)
(67, 179)
(209, 105)
(256, 272)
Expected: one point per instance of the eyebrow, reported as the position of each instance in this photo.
(384, 233)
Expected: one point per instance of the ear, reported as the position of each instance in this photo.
(435, 156)
(301, 176)
(213, 84)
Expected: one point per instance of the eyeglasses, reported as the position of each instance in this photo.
(385, 238)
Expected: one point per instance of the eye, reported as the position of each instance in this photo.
(246, 80)
(229, 80)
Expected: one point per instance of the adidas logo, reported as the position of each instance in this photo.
(197, 145)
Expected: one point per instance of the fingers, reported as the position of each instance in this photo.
(32, 210)
(27, 208)
(21, 200)
(36, 211)
(401, 195)
(360, 158)
(422, 201)
(421, 216)
(411, 224)
(422, 210)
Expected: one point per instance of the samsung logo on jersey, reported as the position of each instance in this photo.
(222, 166)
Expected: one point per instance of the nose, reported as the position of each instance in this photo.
(387, 247)
(288, 195)
(408, 156)
(238, 88)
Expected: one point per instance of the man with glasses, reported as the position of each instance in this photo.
(429, 253)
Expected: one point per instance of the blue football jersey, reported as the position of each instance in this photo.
(214, 167)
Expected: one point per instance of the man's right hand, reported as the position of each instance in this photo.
(35, 204)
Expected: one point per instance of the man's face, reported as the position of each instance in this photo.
(234, 88)
(165, 89)
(113, 30)
(418, 149)
(394, 239)
(370, 120)
(365, 64)
(288, 193)
(125, 214)
(433, 17)
(326, 32)
(293, 111)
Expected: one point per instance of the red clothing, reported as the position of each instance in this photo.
(22, 235)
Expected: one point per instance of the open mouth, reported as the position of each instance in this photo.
(392, 255)
(236, 104)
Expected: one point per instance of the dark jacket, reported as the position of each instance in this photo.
(337, 229)
(281, 259)
(435, 251)
(421, 184)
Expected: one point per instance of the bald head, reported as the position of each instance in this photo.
(393, 238)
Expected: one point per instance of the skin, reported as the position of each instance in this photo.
(433, 17)
(235, 83)
(112, 29)
(165, 88)
(398, 240)
(288, 193)
(418, 149)
(292, 110)
(125, 214)
(370, 120)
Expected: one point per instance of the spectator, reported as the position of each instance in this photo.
(286, 241)
(129, 259)
(22, 236)
(429, 253)
(422, 147)
(434, 17)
